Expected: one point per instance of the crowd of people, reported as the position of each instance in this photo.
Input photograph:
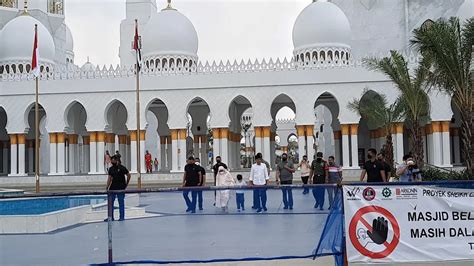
(318, 171)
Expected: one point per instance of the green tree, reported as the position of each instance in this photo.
(379, 114)
(413, 99)
(447, 49)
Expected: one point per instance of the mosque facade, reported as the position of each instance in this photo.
(205, 109)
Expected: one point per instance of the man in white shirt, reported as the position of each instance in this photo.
(259, 177)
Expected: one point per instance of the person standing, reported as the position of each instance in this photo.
(148, 162)
(259, 178)
(107, 161)
(197, 161)
(284, 176)
(305, 169)
(255, 194)
(334, 177)
(386, 167)
(319, 173)
(156, 163)
(408, 171)
(191, 178)
(239, 194)
(116, 181)
(373, 168)
(224, 179)
(216, 166)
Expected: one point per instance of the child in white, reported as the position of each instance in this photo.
(240, 193)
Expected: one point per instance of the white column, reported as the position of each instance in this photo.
(429, 145)
(398, 137)
(61, 154)
(21, 155)
(53, 153)
(31, 157)
(310, 142)
(258, 140)
(86, 154)
(216, 147)
(142, 152)
(72, 155)
(161, 155)
(437, 144)
(456, 147)
(266, 146)
(13, 155)
(224, 143)
(101, 152)
(93, 153)
(345, 146)
(354, 145)
(182, 150)
(373, 140)
(301, 142)
(337, 147)
(122, 148)
(5, 158)
(446, 141)
(133, 152)
(174, 150)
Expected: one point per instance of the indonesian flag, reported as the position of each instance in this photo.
(136, 46)
(34, 62)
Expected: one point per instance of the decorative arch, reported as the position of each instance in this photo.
(68, 109)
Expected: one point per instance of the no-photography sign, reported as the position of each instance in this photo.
(408, 223)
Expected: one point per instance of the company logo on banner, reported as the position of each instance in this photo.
(408, 223)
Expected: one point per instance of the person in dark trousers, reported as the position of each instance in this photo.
(239, 194)
(192, 178)
(284, 176)
(319, 174)
(203, 174)
(373, 168)
(118, 179)
(255, 194)
(386, 167)
(259, 177)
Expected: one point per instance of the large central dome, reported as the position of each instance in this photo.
(321, 26)
(169, 33)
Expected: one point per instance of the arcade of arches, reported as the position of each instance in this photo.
(76, 150)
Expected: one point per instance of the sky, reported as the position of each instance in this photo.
(227, 29)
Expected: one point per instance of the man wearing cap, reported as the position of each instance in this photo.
(117, 181)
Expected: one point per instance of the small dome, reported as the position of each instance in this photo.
(169, 33)
(321, 24)
(17, 41)
(465, 11)
(88, 66)
(69, 40)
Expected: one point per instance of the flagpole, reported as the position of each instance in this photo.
(37, 175)
(137, 67)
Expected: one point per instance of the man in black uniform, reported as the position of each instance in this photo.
(386, 167)
(117, 181)
(215, 168)
(203, 174)
(192, 178)
(374, 169)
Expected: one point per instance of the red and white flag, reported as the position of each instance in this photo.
(137, 46)
(34, 62)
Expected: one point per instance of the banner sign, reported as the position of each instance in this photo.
(408, 223)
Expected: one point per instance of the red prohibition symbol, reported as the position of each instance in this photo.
(389, 246)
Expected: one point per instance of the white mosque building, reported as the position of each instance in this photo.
(186, 103)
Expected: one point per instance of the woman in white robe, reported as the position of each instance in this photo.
(223, 179)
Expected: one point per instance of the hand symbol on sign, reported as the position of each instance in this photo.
(379, 230)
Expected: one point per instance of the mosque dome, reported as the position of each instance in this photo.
(466, 11)
(16, 44)
(88, 66)
(170, 37)
(321, 26)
